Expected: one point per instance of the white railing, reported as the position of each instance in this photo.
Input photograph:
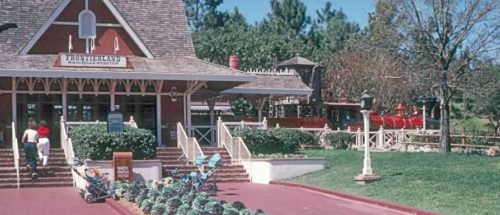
(237, 149)
(189, 145)
(271, 72)
(66, 142)
(203, 133)
(15, 151)
(242, 125)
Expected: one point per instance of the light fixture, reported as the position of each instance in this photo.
(173, 94)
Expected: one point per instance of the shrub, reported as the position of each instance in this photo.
(274, 140)
(94, 142)
(340, 140)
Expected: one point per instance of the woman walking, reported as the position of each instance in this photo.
(43, 143)
(30, 138)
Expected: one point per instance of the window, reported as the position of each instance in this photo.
(86, 25)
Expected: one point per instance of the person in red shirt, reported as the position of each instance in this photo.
(43, 142)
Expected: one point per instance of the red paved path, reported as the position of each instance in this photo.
(278, 200)
(48, 201)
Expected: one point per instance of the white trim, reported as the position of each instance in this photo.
(44, 27)
(272, 91)
(117, 74)
(128, 29)
(97, 24)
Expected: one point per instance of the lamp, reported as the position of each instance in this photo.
(366, 102)
(367, 174)
(173, 94)
(426, 101)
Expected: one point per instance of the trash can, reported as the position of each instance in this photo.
(122, 166)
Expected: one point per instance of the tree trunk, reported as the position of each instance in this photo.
(444, 122)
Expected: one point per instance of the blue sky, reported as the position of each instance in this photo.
(255, 10)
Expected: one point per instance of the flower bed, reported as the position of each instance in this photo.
(168, 197)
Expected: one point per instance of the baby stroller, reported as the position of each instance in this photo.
(199, 180)
(92, 186)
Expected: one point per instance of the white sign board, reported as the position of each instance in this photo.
(92, 60)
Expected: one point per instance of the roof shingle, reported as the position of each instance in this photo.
(160, 24)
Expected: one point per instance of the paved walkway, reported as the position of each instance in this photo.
(48, 201)
(278, 200)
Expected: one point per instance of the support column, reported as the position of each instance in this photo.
(188, 113)
(261, 103)
(158, 120)
(298, 111)
(65, 98)
(185, 109)
(112, 101)
(14, 100)
(211, 104)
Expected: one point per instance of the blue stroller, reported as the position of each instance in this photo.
(93, 187)
(199, 180)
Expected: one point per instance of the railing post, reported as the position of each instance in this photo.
(349, 128)
(277, 125)
(219, 124)
(264, 123)
(242, 124)
(381, 138)
(463, 139)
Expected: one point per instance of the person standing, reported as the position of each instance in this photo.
(30, 138)
(43, 142)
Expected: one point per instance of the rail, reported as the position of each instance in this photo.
(66, 142)
(189, 145)
(242, 124)
(235, 146)
(15, 151)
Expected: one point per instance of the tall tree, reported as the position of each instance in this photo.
(330, 32)
(450, 35)
(286, 17)
(204, 14)
(361, 67)
(485, 94)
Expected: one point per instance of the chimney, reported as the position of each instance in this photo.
(234, 61)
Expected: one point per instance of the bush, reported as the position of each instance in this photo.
(274, 140)
(94, 142)
(340, 140)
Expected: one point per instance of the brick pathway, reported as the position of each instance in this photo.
(277, 200)
(49, 201)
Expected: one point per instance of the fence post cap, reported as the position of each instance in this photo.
(338, 128)
(62, 118)
(219, 118)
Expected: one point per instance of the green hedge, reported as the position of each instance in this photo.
(274, 140)
(94, 142)
(340, 140)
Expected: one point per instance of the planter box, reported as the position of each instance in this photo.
(263, 171)
(142, 169)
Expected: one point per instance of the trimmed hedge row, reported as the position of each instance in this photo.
(94, 142)
(274, 140)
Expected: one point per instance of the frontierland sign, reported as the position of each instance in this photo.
(91, 60)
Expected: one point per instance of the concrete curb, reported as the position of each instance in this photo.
(357, 198)
(118, 207)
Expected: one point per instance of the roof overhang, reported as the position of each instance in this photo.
(269, 91)
(131, 75)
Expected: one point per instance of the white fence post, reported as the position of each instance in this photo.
(219, 123)
(381, 138)
(264, 124)
(277, 125)
(359, 139)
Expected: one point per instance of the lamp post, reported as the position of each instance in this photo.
(366, 108)
(425, 101)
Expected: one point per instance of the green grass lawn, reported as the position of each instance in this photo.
(445, 183)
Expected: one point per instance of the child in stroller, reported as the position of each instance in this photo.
(92, 185)
(199, 180)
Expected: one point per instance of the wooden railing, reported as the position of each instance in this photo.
(189, 145)
(235, 146)
(15, 151)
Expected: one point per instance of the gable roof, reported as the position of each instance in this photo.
(297, 60)
(160, 25)
(273, 84)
